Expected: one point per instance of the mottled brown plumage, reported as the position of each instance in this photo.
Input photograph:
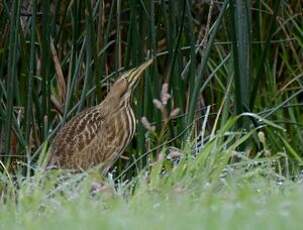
(100, 134)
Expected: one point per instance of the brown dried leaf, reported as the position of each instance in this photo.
(59, 73)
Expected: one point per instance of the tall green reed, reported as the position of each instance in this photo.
(95, 40)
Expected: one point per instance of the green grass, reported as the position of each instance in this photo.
(257, 204)
(220, 188)
(243, 197)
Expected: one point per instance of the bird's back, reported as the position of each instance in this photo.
(92, 138)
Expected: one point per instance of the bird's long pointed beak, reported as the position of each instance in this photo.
(136, 73)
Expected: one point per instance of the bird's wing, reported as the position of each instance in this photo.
(77, 133)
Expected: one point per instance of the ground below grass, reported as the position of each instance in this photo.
(255, 202)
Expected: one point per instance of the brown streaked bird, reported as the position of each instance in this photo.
(100, 134)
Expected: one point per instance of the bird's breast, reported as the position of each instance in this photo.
(119, 132)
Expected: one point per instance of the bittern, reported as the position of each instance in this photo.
(100, 134)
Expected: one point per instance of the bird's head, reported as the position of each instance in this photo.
(125, 85)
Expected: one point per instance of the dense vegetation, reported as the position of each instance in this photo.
(224, 96)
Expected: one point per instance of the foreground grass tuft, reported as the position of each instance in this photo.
(219, 188)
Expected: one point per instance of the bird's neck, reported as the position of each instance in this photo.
(114, 105)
